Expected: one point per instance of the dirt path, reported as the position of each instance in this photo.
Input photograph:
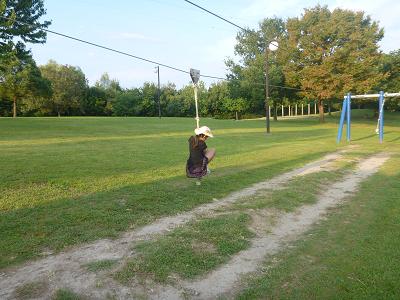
(66, 270)
(289, 227)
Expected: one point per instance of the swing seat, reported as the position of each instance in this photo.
(199, 171)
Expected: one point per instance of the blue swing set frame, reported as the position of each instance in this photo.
(346, 113)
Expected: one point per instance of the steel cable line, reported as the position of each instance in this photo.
(245, 30)
(111, 49)
(210, 12)
(222, 18)
(100, 46)
(122, 52)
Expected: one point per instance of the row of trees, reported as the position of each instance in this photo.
(65, 92)
(322, 55)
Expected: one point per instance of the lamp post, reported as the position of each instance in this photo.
(272, 46)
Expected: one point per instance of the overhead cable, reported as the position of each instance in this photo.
(103, 47)
(222, 18)
(134, 56)
(206, 10)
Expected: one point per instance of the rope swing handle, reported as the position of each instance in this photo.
(195, 75)
(197, 109)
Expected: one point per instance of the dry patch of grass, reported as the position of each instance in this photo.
(191, 250)
(30, 290)
(101, 265)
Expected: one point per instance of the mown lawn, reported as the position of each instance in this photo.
(354, 254)
(66, 181)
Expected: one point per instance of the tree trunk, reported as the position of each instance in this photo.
(275, 112)
(15, 107)
(329, 107)
(321, 111)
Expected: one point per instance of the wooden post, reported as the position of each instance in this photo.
(15, 107)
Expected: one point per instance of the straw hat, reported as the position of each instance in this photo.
(203, 130)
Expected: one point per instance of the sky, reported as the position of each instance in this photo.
(175, 33)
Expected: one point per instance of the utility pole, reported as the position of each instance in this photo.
(158, 91)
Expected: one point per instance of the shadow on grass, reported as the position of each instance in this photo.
(27, 232)
(374, 135)
(395, 140)
(353, 254)
(365, 137)
(38, 163)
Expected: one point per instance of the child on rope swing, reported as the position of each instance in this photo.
(199, 155)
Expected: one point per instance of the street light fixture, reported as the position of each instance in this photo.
(272, 46)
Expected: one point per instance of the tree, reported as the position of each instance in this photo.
(20, 77)
(5, 107)
(235, 106)
(148, 105)
(183, 104)
(127, 103)
(167, 96)
(38, 91)
(69, 87)
(391, 67)
(247, 78)
(391, 83)
(95, 102)
(111, 87)
(19, 24)
(14, 78)
(217, 95)
(21, 19)
(331, 53)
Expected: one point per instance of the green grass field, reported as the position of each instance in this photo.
(66, 181)
(352, 255)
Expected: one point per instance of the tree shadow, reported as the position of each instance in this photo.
(395, 139)
(27, 232)
(364, 138)
(374, 135)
